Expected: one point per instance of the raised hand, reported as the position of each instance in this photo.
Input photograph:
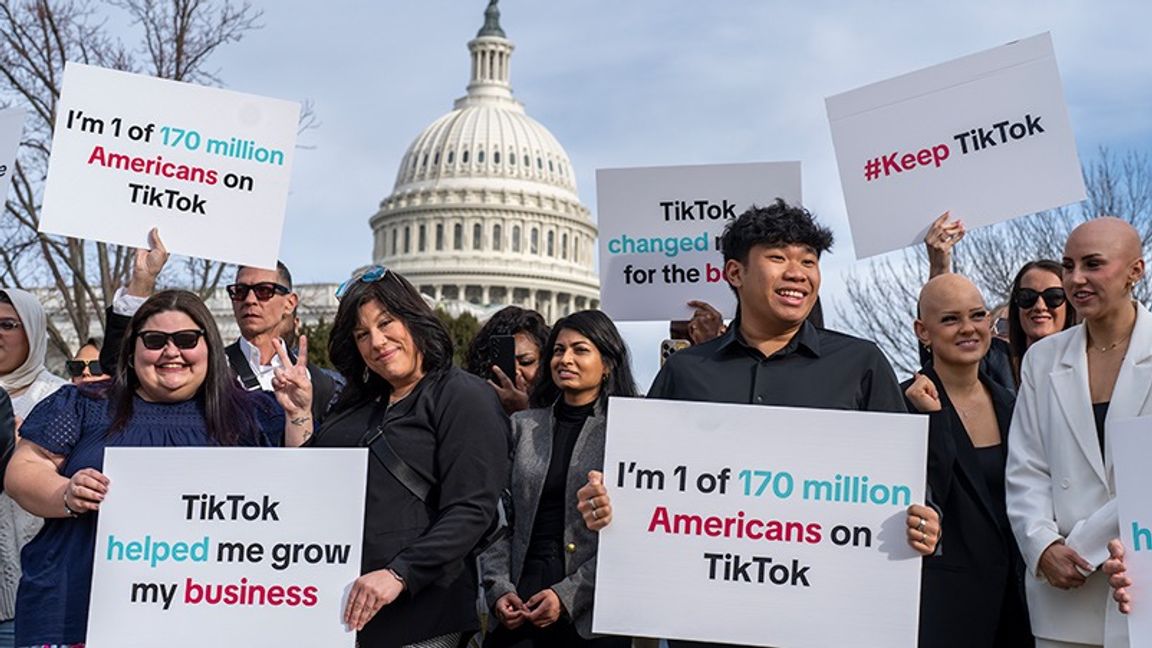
(940, 239)
(147, 266)
(922, 393)
(293, 388)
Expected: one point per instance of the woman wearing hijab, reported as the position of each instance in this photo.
(23, 376)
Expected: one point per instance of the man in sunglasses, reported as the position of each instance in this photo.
(85, 366)
(263, 304)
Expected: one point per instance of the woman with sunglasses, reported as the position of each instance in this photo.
(539, 580)
(1059, 487)
(84, 367)
(23, 346)
(172, 388)
(439, 456)
(1039, 308)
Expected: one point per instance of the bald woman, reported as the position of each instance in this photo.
(972, 592)
(1060, 491)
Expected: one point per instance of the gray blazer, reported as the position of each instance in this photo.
(502, 564)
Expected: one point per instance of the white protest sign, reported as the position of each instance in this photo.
(11, 130)
(986, 137)
(742, 524)
(660, 229)
(227, 547)
(1131, 441)
(209, 167)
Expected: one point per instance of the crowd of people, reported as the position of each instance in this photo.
(485, 482)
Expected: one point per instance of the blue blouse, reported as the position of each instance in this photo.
(52, 601)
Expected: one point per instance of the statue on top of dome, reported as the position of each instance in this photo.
(491, 21)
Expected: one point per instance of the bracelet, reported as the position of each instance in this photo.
(403, 583)
(71, 513)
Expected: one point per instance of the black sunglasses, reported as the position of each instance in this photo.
(154, 340)
(264, 291)
(1053, 297)
(76, 367)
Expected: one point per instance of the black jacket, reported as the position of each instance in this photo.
(324, 388)
(972, 591)
(452, 430)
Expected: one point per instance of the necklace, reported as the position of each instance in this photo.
(1105, 349)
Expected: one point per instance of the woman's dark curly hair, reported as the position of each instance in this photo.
(506, 321)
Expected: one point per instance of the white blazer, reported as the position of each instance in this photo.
(1057, 484)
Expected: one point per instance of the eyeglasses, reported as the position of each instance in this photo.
(264, 291)
(154, 340)
(1053, 297)
(9, 325)
(76, 367)
(367, 275)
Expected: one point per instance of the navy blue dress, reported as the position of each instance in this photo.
(52, 601)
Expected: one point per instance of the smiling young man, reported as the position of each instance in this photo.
(771, 354)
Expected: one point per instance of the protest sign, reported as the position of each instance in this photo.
(227, 547)
(11, 130)
(209, 167)
(986, 137)
(660, 229)
(741, 524)
(1131, 441)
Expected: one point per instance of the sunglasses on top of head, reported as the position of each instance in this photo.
(1053, 297)
(76, 367)
(264, 290)
(370, 274)
(155, 340)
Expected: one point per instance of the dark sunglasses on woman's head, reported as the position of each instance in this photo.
(1053, 297)
(154, 340)
(367, 275)
(76, 367)
(264, 291)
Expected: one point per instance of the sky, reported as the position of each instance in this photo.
(645, 83)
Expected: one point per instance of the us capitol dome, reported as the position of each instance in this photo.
(485, 209)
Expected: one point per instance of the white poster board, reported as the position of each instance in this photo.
(209, 167)
(227, 547)
(985, 136)
(660, 228)
(11, 130)
(748, 525)
(1131, 441)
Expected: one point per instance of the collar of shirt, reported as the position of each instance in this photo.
(263, 372)
(806, 340)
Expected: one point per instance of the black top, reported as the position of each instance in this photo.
(817, 368)
(548, 525)
(451, 430)
(1100, 412)
(993, 460)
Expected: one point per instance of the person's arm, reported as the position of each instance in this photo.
(293, 387)
(1028, 489)
(880, 391)
(146, 267)
(939, 240)
(34, 482)
(576, 591)
(472, 461)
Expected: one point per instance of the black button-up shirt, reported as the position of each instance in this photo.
(817, 368)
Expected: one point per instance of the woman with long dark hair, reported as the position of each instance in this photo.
(539, 580)
(530, 332)
(172, 388)
(439, 444)
(1039, 307)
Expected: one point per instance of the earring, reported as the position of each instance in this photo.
(365, 379)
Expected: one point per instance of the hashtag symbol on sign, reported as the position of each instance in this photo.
(872, 169)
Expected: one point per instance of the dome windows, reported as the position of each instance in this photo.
(436, 160)
(464, 157)
(496, 157)
(564, 245)
(478, 230)
(423, 239)
(515, 238)
(480, 156)
(458, 233)
(439, 236)
(451, 156)
(527, 163)
(551, 243)
(497, 237)
(534, 242)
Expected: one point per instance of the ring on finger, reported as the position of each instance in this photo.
(595, 514)
(920, 527)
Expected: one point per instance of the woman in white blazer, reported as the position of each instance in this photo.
(1059, 486)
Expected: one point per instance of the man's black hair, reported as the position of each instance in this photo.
(778, 224)
(281, 272)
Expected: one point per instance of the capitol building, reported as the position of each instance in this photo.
(485, 210)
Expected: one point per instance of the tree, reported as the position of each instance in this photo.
(176, 41)
(318, 336)
(882, 292)
(462, 329)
